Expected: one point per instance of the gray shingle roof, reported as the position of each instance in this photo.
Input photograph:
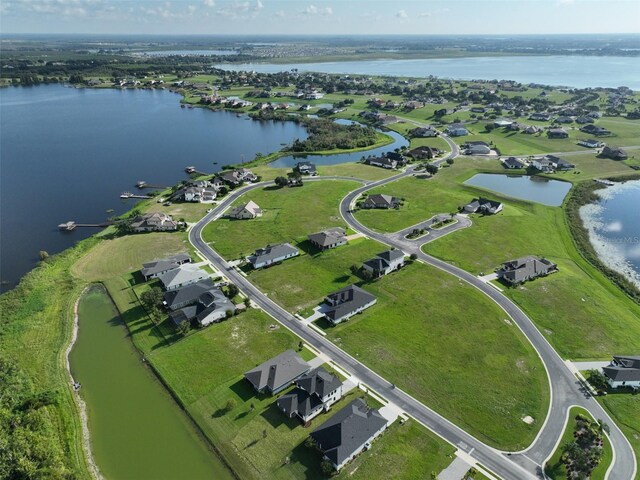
(319, 382)
(521, 269)
(188, 294)
(299, 401)
(347, 300)
(183, 273)
(623, 369)
(344, 433)
(328, 237)
(278, 371)
(272, 253)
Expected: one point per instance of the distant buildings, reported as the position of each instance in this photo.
(557, 133)
(591, 143)
(457, 130)
(614, 153)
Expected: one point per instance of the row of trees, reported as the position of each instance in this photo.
(325, 134)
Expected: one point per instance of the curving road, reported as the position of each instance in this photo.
(566, 390)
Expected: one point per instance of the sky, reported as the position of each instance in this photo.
(245, 17)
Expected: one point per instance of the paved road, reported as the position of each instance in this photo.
(566, 390)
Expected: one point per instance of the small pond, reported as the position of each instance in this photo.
(535, 189)
(291, 160)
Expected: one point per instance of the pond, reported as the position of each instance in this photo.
(290, 160)
(137, 430)
(532, 188)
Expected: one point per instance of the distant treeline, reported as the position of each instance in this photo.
(325, 134)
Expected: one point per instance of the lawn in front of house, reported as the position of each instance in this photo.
(578, 298)
(290, 214)
(460, 358)
(624, 408)
(302, 282)
(205, 371)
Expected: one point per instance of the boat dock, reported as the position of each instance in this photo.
(126, 195)
(192, 171)
(71, 225)
(604, 181)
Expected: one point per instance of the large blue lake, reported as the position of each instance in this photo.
(614, 228)
(67, 154)
(573, 71)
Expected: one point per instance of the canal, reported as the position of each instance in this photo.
(137, 430)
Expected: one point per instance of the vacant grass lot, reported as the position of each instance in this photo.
(576, 299)
(453, 355)
(205, 372)
(423, 198)
(556, 470)
(126, 254)
(304, 281)
(624, 408)
(290, 214)
(588, 165)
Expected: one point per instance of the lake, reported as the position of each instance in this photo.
(291, 160)
(614, 229)
(68, 153)
(535, 189)
(573, 71)
(137, 430)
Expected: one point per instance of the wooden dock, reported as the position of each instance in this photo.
(604, 181)
(126, 195)
(71, 225)
(142, 184)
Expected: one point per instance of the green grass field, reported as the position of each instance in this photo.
(624, 408)
(452, 355)
(290, 214)
(555, 469)
(303, 282)
(581, 299)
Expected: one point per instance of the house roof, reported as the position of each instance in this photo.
(347, 300)
(277, 371)
(272, 253)
(251, 207)
(383, 161)
(623, 369)
(184, 273)
(391, 255)
(299, 401)
(381, 199)
(319, 382)
(188, 294)
(330, 236)
(344, 433)
(158, 266)
(513, 162)
(525, 267)
(155, 219)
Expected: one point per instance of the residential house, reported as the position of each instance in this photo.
(330, 238)
(315, 392)
(246, 211)
(591, 143)
(347, 302)
(563, 119)
(557, 133)
(484, 206)
(595, 130)
(623, 371)
(531, 130)
(420, 153)
(540, 117)
(457, 130)
(158, 267)
(188, 295)
(277, 373)
(236, 177)
(550, 163)
(502, 123)
(349, 432)
(424, 132)
(614, 153)
(384, 263)
(212, 306)
(264, 257)
(183, 275)
(202, 191)
(512, 163)
(378, 200)
(153, 222)
(584, 119)
(306, 168)
(383, 162)
(526, 268)
(477, 148)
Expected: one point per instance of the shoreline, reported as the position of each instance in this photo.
(80, 403)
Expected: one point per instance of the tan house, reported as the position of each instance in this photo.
(246, 211)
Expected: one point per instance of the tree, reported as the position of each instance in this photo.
(413, 256)
(281, 181)
(431, 168)
(450, 161)
(184, 328)
(300, 345)
(264, 433)
(43, 255)
(151, 298)
(489, 126)
(232, 290)
(327, 468)
(230, 405)
(597, 380)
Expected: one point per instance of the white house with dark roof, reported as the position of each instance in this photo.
(525, 268)
(330, 238)
(512, 163)
(591, 143)
(378, 200)
(348, 432)
(383, 162)
(315, 392)
(623, 371)
(384, 263)
(246, 211)
(183, 275)
(277, 373)
(188, 295)
(347, 302)
(484, 206)
(211, 306)
(158, 267)
(263, 257)
(153, 222)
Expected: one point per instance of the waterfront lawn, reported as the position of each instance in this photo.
(588, 166)
(423, 198)
(304, 281)
(624, 408)
(556, 470)
(117, 256)
(205, 372)
(460, 358)
(351, 169)
(190, 212)
(578, 298)
(290, 214)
